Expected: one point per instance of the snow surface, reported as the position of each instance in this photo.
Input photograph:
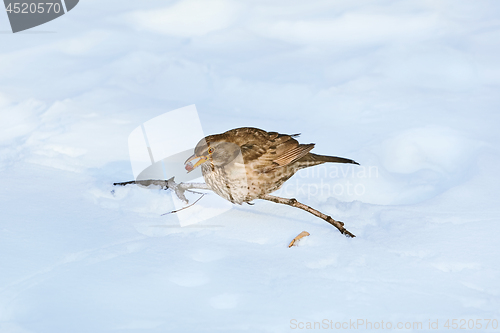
(406, 88)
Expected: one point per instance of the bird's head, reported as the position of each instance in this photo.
(214, 150)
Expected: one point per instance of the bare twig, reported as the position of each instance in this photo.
(146, 183)
(294, 203)
(179, 189)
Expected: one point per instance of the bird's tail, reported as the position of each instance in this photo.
(314, 159)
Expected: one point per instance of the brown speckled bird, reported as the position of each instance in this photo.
(246, 163)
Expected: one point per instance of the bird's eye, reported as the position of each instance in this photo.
(210, 150)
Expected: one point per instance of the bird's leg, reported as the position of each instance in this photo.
(179, 189)
(294, 203)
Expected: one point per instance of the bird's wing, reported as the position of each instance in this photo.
(268, 152)
(252, 152)
(293, 154)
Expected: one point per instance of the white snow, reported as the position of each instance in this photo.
(407, 88)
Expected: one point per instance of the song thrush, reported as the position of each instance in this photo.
(246, 163)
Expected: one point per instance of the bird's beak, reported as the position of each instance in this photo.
(190, 167)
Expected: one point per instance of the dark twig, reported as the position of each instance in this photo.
(294, 203)
(178, 210)
(148, 182)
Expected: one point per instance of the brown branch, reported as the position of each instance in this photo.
(294, 203)
(180, 188)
